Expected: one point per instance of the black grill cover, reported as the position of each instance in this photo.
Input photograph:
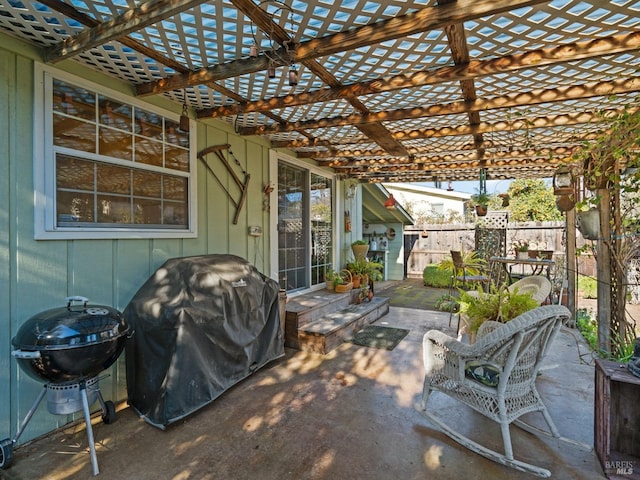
(202, 324)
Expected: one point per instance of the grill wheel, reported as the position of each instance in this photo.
(6, 453)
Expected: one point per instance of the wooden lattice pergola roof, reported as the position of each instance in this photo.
(393, 90)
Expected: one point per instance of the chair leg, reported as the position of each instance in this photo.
(484, 451)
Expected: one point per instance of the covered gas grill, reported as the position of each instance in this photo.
(68, 347)
(202, 324)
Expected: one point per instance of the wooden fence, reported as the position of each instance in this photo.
(433, 243)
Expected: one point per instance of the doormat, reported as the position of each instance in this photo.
(379, 337)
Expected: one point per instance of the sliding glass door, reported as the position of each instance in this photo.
(305, 227)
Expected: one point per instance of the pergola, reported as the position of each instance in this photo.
(379, 91)
(397, 91)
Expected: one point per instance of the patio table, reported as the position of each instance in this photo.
(537, 266)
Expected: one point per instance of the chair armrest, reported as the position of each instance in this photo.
(442, 339)
(442, 353)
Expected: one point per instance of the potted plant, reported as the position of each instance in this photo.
(358, 268)
(374, 270)
(329, 278)
(500, 305)
(360, 248)
(521, 248)
(481, 201)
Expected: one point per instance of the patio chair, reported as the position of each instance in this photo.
(538, 285)
(496, 377)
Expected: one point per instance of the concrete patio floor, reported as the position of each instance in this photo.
(346, 415)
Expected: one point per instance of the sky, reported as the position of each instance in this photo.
(493, 186)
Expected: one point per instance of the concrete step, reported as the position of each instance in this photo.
(329, 331)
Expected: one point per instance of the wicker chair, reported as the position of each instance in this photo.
(537, 285)
(496, 377)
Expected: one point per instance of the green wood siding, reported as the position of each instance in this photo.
(38, 275)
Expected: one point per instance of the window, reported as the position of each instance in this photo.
(109, 167)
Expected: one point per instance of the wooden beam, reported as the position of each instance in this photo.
(460, 130)
(148, 13)
(473, 69)
(88, 21)
(376, 132)
(426, 19)
(559, 94)
(418, 156)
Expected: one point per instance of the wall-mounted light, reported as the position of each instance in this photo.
(564, 188)
(390, 204)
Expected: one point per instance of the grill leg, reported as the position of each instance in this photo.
(30, 414)
(87, 419)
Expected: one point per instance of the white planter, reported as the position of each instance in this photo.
(523, 255)
(589, 223)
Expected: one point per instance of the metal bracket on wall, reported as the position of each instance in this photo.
(243, 186)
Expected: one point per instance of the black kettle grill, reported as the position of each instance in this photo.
(68, 347)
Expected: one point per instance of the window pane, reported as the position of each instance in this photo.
(174, 135)
(114, 113)
(113, 179)
(74, 173)
(74, 207)
(321, 227)
(148, 124)
(115, 143)
(148, 151)
(71, 133)
(175, 213)
(147, 211)
(113, 209)
(147, 184)
(175, 188)
(74, 100)
(177, 158)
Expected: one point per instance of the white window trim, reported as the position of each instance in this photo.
(43, 167)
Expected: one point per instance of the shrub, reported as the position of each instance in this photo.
(432, 276)
(588, 286)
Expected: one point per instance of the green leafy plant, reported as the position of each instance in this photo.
(588, 327)
(359, 242)
(500, 305)
(480, 199)
(473, 263)
(447, 303)
(374, 270)
(588, 286)
(433, 276)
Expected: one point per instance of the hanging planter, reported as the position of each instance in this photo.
(589, 223)
(481, 210)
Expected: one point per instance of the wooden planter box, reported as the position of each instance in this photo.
(617, 420)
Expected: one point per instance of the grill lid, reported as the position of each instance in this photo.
(71, 327)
